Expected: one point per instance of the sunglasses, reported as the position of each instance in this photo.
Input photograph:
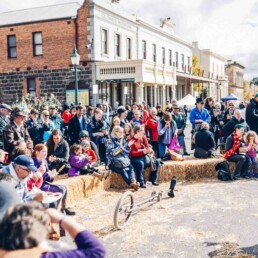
(27, 170)
(176, 108)
(231, 105)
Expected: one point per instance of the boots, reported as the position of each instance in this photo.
(134, 185)
(172, 187)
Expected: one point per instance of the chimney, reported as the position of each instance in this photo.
(195, 44)
(167, 25)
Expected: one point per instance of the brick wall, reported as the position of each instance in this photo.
(58, 42)
(14, 84)
(51, 70)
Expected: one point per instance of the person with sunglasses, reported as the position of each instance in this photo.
(48, 125)
(229, 112)
(21, 170)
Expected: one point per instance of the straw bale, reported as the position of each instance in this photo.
(81, 187)
(190, 169)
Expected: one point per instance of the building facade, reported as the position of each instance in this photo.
(124, 59)
(213, 66)
(235, 73)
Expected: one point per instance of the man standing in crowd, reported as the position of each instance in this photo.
(252, 114)
(77, 124)
(56, 119)
(5, 111)
(180, 120)
(199, 114)
(35, 128)
(15, 132)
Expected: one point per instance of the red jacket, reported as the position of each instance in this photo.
(139, 144)
(66, 116)
(152, 127)
(92, 154)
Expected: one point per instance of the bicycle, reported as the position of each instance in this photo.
(126, 205)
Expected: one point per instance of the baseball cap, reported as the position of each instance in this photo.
(26, 161)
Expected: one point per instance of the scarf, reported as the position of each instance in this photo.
(235, 147)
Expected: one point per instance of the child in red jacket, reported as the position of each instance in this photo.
(91, 155)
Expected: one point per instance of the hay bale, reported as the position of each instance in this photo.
(81, 187)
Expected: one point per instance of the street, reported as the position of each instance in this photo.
(205, 219)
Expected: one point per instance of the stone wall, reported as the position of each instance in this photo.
(14, 84)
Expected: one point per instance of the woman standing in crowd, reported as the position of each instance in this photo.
(58, 151)
(217, 122)
(97, 129)
(33, 222)
(209, 105)
(128, 131)
(89, 113)
(118, 156)
(152, 129)
(122, 114)
(115, 121)
(167, 130)
(48, 125)
(139, 157)
(39, 157)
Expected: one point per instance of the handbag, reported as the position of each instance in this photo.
(175, 156)
(121, 161)
(174, 145)
(152, 162)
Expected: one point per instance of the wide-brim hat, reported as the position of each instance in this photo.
(199, 100)
(18, 113)
(5, 106)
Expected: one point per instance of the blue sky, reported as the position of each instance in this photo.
(227, 27)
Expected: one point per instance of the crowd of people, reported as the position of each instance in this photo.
(36, 145)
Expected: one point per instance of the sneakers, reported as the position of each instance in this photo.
(171, 193)
(236, 178)
(155, 183)
(142, 185)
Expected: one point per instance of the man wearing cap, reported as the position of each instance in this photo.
(5, 111)
(252, 114)
(21, 169)
(15, 132)
(56, 119)
(77, 124)
(34, 127)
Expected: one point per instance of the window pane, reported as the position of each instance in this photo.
(38, 38)
(12, 41)
(38, 50)
(12, 52)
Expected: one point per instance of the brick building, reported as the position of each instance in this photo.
(35, 49)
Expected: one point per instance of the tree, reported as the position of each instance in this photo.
(197, 70)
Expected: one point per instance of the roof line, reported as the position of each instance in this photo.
(37, 7)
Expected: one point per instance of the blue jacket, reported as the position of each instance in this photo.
(197, 115)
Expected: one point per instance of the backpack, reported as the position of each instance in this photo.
(223, 171)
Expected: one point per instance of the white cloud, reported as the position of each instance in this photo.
(228, 27)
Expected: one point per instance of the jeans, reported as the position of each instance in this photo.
(140, 164)
(162, 149)
(242, 164)
(126, 173)
(253, 163)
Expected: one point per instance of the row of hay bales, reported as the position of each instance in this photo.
(191, 169)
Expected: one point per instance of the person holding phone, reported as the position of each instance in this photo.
(167, 130)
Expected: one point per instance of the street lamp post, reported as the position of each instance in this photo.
(75, 60)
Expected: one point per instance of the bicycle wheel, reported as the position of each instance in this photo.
(123, 211)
